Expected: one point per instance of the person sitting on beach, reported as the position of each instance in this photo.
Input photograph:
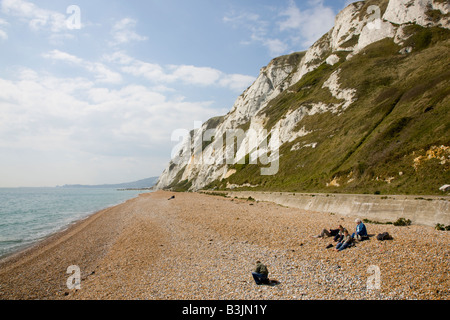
(340, 235)
(361, 231)
(328, 233)
(345, 242)
(261, 273)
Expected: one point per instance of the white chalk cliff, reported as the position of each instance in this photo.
(356, 27)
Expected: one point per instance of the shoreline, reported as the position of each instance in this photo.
(61, 229)
(41, 251)
(48, 239)
(199, 246)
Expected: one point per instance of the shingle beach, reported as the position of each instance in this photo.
(199, 246)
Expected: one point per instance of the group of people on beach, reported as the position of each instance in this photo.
(343, 237)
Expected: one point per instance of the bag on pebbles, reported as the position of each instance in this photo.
(384, 236)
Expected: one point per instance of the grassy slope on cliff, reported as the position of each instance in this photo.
(388, 141)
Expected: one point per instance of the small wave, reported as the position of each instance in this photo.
(11, 241)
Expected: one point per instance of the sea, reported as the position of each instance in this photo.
(28, 215)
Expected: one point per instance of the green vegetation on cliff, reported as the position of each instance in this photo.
(394, 139)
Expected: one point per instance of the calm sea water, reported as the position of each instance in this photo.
(28, 215)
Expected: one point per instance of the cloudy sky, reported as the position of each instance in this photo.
(91, 91)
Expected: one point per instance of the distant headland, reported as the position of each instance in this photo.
(144, 184)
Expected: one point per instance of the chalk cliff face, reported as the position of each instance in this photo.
(273, 118)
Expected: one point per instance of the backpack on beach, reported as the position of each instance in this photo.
(384, 236)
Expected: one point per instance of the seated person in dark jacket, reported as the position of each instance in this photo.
(261, 273)
(361, 231)
(340, 235)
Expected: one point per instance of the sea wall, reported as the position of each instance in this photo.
(424, 210)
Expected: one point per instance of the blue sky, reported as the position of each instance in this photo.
(91, 91)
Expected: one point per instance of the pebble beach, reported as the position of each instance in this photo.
(204, 247)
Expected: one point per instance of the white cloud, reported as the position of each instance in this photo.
(236, 82)
(56, 25)
(3, 34)
(242, 17)
(36, 105)
(150, 71)
(188, 74)
(36, 17)
(308, 24)
(101, 72)
(286, 30)
(276, 46)
(69, 121)
(194, 75)
(63, 56)
(123, 32)
(259, 31)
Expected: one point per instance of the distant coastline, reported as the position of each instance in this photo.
(144, 184)
(135, 189)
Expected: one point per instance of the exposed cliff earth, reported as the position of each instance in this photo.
(366, 109)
